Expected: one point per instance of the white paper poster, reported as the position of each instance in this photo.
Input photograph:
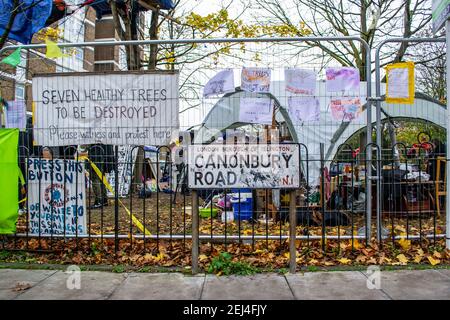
(342, 79)
(398, 82)
(16, 114)
(256, 110)
(300, 81)
(304, 109)
(345, 110)
(244, 166)
(125, 108)
(223, 82)
(255, 79)
(57, 201)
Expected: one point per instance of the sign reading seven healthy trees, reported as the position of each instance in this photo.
(244, 166)
(122, 108)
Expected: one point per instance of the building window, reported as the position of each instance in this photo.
(20, 91)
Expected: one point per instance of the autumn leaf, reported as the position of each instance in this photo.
(417, 258)
(437, 255)
(405, 244)
(344, 260)
(433, 261)
(202, 257)
(402, 258)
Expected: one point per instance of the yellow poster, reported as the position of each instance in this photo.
(400, 83)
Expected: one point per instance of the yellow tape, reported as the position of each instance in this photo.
(401, 65)
(102, 177)
(23, 200)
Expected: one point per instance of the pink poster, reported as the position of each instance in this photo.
(342, 79)
(345, 109)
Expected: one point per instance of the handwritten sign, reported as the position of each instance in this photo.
(342, 79)
(256, 110)
(255, 79)
(244, 166)
(304, 109)
(57, 203)
(118, 109)
(300, 81)
(223, 82)
(345, 110)
(125, 164)
(400, 83)
(16, 115)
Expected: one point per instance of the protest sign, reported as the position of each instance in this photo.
(125, 165)
(124, 108)
(342, 79)
(256, 110)
(304, 109)
(300, 81)
(345, 109)
(57, 202)
(16, 115)
(255, 79)
(223, 82)
(400, 83)
(244, 166)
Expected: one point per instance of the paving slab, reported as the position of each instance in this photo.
(409, 284)
(160, 286)
(9, 278)
(14, 282)
(94, 285)
(445, 272)
(334, 285)
(258, 287)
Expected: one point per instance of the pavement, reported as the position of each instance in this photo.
(19, 284)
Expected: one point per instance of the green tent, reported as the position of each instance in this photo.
(9, 173)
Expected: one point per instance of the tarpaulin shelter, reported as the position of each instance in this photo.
(31, 18)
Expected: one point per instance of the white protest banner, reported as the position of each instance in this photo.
(300, 81)
(125, 164)
(256, 110)
(244, 166)
(56, 197)
(120, 108)
(342, 79)
(223, 82)
(345, 109)
(255, 79)
(16, 114)
(304, 109)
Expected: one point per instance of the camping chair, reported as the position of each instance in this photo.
(440, 188)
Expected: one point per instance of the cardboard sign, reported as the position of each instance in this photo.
(57, 201)
(122, 108)
(244, 166)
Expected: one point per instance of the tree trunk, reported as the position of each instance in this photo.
(153, 36)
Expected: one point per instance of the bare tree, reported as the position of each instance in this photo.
(372, 20)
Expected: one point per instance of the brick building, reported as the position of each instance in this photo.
(82, 26)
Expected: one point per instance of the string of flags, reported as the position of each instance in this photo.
(303, 105)
(53, 51)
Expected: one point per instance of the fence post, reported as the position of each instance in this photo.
(116, 198)
(447, 170)
(195, 237)
(292, 231)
